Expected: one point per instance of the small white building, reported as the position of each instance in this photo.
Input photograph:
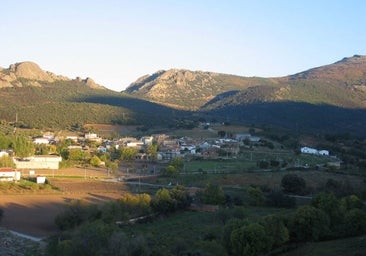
(307, 150)
(147, 140)
(9, 174)
(41, 140)
(323, 152)
(41, 179)
(3, 153)
(38, 162)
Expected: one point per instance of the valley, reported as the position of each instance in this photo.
(187, 162)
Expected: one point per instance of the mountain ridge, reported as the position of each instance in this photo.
(194, 90)
(329, 98)
(28, 73)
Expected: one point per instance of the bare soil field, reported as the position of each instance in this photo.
(34, 213)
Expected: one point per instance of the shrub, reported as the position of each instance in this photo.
(249, 240)
(256, 197)
(76, 213)
(291, 183)
(355, 222)
(309, 224)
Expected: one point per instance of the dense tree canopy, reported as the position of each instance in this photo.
(310, 224)
(291, 183)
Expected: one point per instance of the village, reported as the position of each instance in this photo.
(156, 148)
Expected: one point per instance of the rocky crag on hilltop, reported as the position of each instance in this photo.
(30, 74)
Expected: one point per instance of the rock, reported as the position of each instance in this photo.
(90, 82)
(30, 70)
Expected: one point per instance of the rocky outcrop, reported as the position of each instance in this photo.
(90, 83)
(30, 74)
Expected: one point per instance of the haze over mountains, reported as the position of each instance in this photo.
(329, 98)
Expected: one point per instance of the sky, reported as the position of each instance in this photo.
(116, 42)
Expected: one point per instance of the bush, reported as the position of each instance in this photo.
(293, 184)
(76, 213)
(256, 197)
(355, 222)
(250, 240)
(309, 224)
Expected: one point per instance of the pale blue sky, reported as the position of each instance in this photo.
(116, 42)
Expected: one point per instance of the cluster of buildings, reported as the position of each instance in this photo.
(169, 148)
(314, 151)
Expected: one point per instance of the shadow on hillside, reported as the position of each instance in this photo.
(134, 104)
(35, 215)
(129, 103)
(297, 116)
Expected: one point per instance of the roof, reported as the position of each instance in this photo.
(6, 169)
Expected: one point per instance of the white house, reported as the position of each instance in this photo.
(3, 153)
(307, 150)
(41, 140)
(147, 140)
(323, 152)
(9, 174)
(91, 136)
(38, 162)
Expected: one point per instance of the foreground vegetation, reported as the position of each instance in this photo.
(161, 225)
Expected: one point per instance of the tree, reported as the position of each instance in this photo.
(250, 240)
(170, 171)
(213, 194)
(310, 224)
(163, 202)
(42, 149)
(232, 225)
(23, 146)
(256, 197)
(5, 141)
(276, 230)
(95, 161)
(128, 153)
(291, 183)
(351, 202)
(355, 222)
(152, 150)
(75, 214)
(330, 205)
(221, 134)
(181, 196)
(91, 238)
(178, 163)
(6, 161)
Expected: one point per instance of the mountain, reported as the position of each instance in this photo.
(326, 99)
(41, 99)
(330, 98)
(190, 90)
(341, 84)
(30, 74)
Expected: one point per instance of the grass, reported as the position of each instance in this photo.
(25, 186)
